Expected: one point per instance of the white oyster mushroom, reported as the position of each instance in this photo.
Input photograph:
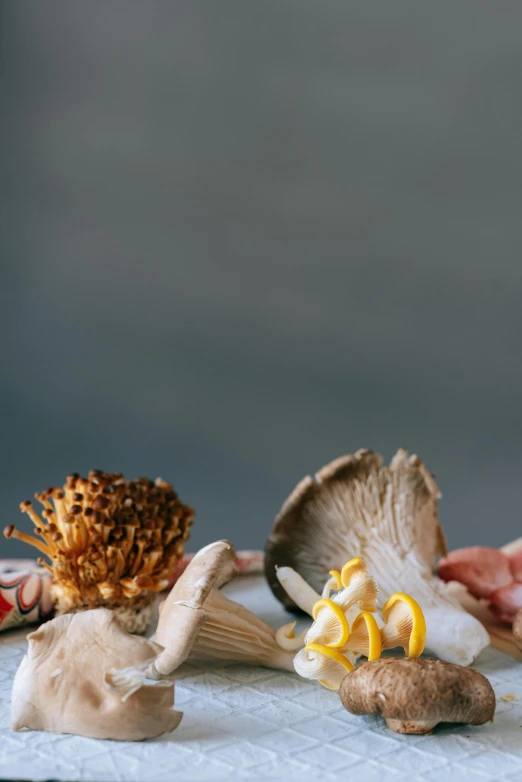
(65, 682)
(356, 507)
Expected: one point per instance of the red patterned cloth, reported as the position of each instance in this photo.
(24, 594)
(25, 588)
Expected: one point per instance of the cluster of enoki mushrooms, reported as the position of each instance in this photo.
(110, 542)
(346, 624)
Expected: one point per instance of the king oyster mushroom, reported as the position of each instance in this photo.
(197, 620)
(415, 695)
(219, 627)
(65, 683)
(356, 507)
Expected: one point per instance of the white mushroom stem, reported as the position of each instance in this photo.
(296, 587)
(287, 639)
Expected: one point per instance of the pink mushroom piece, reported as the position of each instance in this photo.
(489, 574)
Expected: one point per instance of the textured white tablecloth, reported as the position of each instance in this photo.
(253, 723)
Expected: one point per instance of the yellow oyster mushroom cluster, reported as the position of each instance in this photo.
(346, 623)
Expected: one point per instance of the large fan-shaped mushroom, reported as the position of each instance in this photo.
(355, 507)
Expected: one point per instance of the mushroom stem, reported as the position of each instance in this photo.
(410, 726)
(11, 532)
(297, 589)
(234, 633)
(288, 640)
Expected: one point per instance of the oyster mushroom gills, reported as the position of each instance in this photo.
(219, 628)
(388, 515)
(416, 695)
(111, 543)
(347, 625)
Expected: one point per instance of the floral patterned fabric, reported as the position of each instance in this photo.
(25, 594)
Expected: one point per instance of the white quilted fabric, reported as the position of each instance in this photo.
(252, 723)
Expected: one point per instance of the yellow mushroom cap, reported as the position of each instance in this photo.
(337, 578)
(365, 637)
(322, 663)
(330, 625)
(405, 625)
(333, 584)
(351, 567)
(358, 587)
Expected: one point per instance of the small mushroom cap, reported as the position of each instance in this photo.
(330, 624)
(414, 695)
(408, 626)
(326, 665)
(365, 637)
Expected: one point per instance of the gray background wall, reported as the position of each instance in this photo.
(239, 239)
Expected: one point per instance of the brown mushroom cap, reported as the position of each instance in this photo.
(331, 516)
(517, 628)
(415, 695)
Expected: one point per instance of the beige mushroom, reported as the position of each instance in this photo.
(197, 617)
(85, 674)
(65, 683)
(357, 507)
(414, 695)
(323, 664)
(182, 616)
(197, 620)
(287, 639)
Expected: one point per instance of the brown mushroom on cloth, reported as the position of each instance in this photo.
(415, 695)
(357, 507)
